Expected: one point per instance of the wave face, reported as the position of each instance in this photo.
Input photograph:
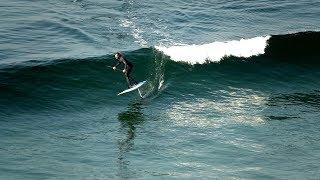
(303, 44)
(252, 59)
(33, 85)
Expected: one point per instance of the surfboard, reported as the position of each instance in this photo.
(133, 88)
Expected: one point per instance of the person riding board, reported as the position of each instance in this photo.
(127, 68)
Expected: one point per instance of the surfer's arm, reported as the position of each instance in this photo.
(115, 67)
(117, 64)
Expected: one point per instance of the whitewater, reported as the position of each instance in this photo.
(214, 52)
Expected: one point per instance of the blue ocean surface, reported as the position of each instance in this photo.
(232, 89)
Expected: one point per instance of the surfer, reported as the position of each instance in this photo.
(127, 68)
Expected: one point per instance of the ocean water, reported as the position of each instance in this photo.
(233, 89)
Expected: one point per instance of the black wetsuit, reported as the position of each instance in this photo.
(128, 67)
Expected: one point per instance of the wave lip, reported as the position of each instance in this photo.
(301, 44)
(214, 52)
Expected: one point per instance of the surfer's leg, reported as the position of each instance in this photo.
(130, 80)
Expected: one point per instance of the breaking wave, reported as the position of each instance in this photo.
(300, 44)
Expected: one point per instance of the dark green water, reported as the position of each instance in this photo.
(251, 115)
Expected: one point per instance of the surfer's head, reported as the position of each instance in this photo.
(118, 55)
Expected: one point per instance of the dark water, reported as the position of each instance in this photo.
(233, 90)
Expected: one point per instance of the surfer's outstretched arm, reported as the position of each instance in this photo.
(115, 66)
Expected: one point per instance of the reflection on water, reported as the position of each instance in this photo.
(223, 107)
(129, 119)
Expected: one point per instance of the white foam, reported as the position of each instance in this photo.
(215, 51)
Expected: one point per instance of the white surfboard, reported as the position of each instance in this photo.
(133, 88)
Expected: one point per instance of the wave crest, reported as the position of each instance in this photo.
(214, 52)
